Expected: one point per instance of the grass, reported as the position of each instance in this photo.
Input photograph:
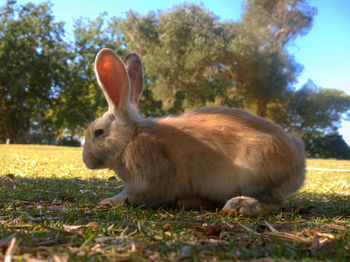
(48, 211)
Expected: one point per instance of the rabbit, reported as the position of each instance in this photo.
(214, 157)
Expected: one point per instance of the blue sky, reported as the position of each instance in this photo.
(324, 51)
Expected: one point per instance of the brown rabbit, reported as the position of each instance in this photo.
(210, 157)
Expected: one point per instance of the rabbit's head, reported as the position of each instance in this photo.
(122, 85)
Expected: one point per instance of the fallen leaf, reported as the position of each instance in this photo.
(167, 226)
(212, 230)
(325, 235)
(59, 257)
(92, 224)
(70, 227)
(110, 227)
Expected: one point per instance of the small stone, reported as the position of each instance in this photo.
(186, 252)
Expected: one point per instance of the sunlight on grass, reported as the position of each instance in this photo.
(48, 202)
(327, 182)
(46, 161)
(328, 163)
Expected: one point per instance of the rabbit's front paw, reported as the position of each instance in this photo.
(244, 206)
(112, 201)
(117, 200)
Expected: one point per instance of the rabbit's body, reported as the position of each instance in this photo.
(211, 154)
(201, 158)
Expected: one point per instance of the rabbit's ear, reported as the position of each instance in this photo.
(113, 79)
(135, 71)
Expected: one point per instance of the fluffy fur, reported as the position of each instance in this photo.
(210, 157)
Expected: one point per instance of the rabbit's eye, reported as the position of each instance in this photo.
(98, 132)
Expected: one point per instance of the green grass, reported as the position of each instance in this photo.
(48, 203)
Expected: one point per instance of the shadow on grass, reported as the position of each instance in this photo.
(60, 215)
(327, 205)
(89, 191)
(54, 189)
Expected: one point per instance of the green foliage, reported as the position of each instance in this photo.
(277, 22)
(262, 75)
(326, 146)
(82, 101)
(196, 60)
(181, 50)
(69, 141)
(32, 66)
(148, 105)
(312, 109)
(49, 93)
(261, 67)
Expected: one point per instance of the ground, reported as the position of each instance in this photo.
(48, 211)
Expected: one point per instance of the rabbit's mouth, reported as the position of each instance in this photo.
(96, 164)
(93, 162)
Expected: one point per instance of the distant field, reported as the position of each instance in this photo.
(48, 210)
(329, 163)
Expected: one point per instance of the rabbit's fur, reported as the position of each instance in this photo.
(210, 157)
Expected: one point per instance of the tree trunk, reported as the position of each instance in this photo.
(12, 129)
(261, 109)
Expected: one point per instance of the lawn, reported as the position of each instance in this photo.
(48, 211)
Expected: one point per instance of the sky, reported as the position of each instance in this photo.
(324, 51)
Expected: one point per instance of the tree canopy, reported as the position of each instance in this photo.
(311, 109)
(181, 51)
(48, 90)
(33, 63)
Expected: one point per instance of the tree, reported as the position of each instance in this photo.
(49, 93)
(82, 101)
(314, 109)
(277, 22)
(222, 62)
(326, 146)
(261, 74)
(181, 50)
(261, 67)
(32, 65)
